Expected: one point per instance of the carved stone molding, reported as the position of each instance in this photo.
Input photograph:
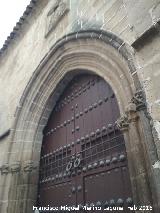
(15, 167)
(123, 123)
(129, 116)
(29, 166)
(139, 100)
(4, 169)
(58, 10)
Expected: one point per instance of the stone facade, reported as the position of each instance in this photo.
(52, 42)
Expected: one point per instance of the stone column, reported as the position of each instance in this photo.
(129, 124)
(149, 148)
(144, 195)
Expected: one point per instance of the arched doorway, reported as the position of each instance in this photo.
(83, 157)
(104, 55)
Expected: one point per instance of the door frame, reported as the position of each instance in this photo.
(112, 59)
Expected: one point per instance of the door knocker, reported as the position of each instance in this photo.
(69, 166)
(77, 162)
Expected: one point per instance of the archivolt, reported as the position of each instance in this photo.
(96, 52)
(92, 51)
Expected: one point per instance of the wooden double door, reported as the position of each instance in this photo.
(83, 157)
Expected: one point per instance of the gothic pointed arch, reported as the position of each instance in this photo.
(95, 52)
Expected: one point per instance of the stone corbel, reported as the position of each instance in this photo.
(139, 100)
(4, 169)
(29, 166)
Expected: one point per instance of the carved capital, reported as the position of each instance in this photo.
(29, 166)
(139, 100)
(123, 123)
(131, 112)
(129, 116)
(15, 167)
(4, 169)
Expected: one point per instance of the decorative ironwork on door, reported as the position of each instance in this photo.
(83, 157)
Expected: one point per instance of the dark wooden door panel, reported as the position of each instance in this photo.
(109, 187)
(83, 157)
(57, 195)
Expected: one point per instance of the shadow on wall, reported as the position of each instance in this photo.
(4, 120)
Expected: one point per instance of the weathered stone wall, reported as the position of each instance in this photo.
(148, 63)
(127, 19)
